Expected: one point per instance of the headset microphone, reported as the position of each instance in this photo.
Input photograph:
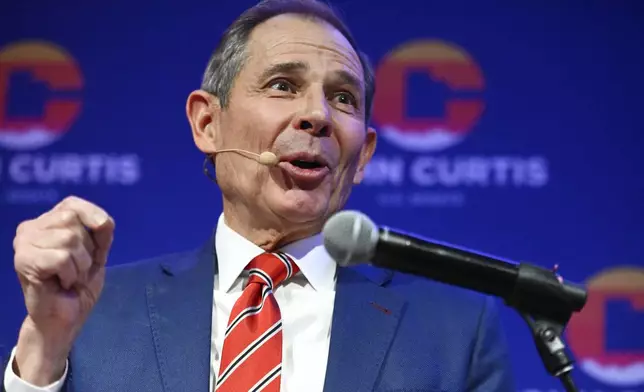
(266, 158)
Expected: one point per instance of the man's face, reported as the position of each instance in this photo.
(300, 94)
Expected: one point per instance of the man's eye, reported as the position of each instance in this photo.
(346, 99)
(282, 85)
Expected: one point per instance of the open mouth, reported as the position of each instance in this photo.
(302, 164)
(306, 169)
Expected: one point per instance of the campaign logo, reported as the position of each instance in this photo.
(40, 100)
(606, 336)
(451, 83)
(430, 98)
(39, 86)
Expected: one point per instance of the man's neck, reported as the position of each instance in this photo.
(266, 234)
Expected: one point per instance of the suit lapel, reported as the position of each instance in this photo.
(180, 309)
(365, 318)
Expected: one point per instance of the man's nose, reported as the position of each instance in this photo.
(314, 118)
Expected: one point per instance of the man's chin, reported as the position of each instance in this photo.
(302, 206)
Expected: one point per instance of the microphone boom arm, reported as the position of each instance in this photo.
(539, 295)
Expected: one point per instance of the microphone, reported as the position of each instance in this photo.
(351, 238)
(539, 295)
(266, 158)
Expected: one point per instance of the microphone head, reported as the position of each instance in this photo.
(268, 158)
(350, 238)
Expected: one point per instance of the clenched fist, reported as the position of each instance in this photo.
(60, 260)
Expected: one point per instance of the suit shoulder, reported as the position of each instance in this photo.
(145, 270)
(124, 291)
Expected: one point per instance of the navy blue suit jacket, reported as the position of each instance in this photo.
(151, 331)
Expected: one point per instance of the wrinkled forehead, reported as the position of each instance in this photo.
(295, 38)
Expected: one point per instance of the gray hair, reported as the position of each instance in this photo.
(230, 55)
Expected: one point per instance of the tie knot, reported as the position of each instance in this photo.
(271, 269)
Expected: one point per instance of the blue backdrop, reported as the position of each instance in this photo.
(513, 128)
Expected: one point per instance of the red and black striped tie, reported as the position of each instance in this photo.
(251, 358)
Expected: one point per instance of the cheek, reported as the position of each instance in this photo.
(351, 142)
(268, 117)
(350, 146)
(250, 129)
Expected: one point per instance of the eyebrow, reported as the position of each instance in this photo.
(340, 76)
(346, 77)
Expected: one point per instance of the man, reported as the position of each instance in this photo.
(286, 78)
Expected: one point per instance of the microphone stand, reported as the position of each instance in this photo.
(539, 295)
(546, 304)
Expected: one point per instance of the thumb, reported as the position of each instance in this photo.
(103, 236)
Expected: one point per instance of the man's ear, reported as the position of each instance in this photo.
(203, 111)
(366, 153)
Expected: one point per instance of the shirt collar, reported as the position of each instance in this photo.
(234, 252)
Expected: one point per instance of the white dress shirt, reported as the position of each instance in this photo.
(305, 301)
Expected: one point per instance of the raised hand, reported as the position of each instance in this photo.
(60, 260)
